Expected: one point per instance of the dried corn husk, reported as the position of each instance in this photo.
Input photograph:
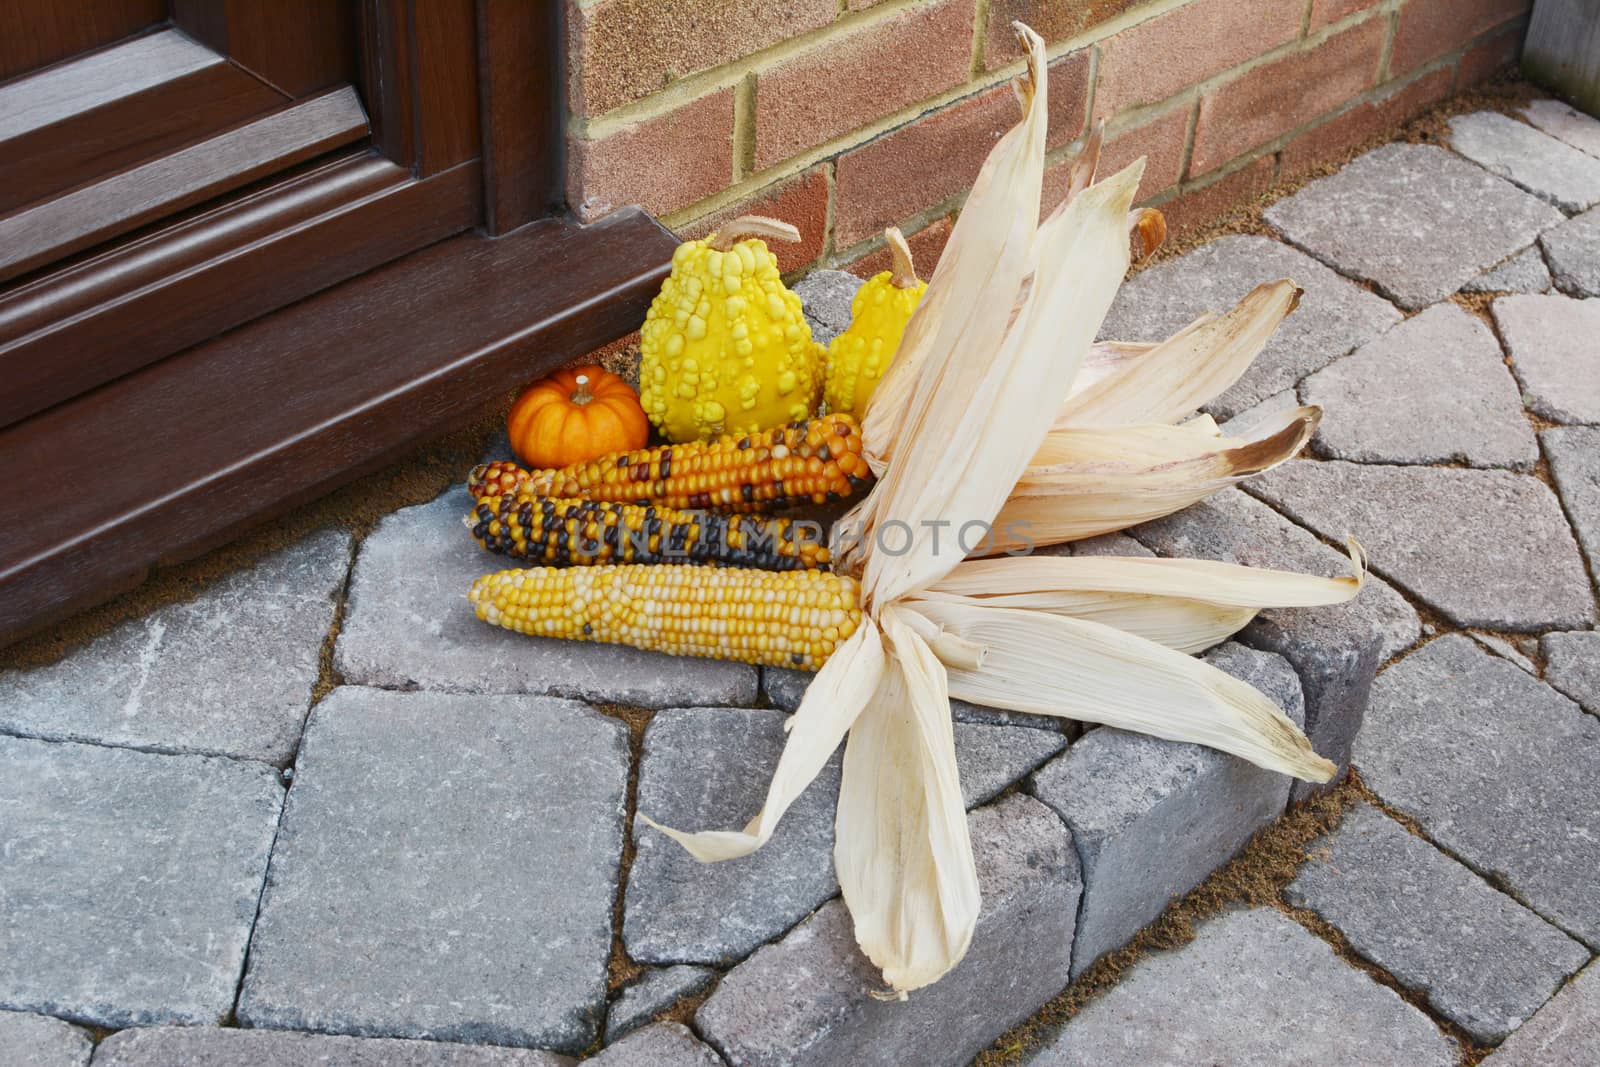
(994, 403)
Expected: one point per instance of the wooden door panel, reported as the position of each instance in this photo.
(77, 121)
(131, 306)
(297, 46)
(39, 32)
(447, 85)
(120, 203)
(218, 323)
(162, 462)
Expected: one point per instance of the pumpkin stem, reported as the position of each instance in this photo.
(581, 395)
(753, 226)
(905, 272)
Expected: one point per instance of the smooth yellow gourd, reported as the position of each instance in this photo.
(858, 357)
(725, 347)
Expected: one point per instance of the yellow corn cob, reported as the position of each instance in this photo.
(561, 532)
(815, 462)
(793, 619)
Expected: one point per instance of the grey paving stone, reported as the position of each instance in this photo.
(660, 1045)
(1524, 272)
(1497, 767)
(1563, 1033)
(129, 880)
(990, 758)
(708, 768)
(1481, 959)
(1572, 665)
(826, 295)
(1254, 989)
(658, 989)
(1485, 548)
(1111, 544)
(1152, 818)
(197, 1046)
(40, 1041)
(1566, 123)
(1435, 389)
(1506, 650)
(1574, 455)
(408, 625)
(1334, 316)
(1573, 249)
(227, 673)
(1241, 424)
(1336, 649)
(1550, 169)
(1551, 339)
(445, 869)
(808, 998)
(785, 688)
(1415, 220)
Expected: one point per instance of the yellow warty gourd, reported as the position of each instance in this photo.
(725, 347)
(858, 357)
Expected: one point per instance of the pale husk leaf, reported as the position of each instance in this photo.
(902, 850)
(1187, 605)
(971, 436)
(989, 251)
(1090, 481)
(833, 700)
(1077, 669)
(1186, 371)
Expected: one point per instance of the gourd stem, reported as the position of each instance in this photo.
(581, 395)
(904, 274)
(753, 226)
(1150, 227)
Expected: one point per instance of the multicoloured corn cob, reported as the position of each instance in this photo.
(563, 532)
(815, 462)
(779, 620)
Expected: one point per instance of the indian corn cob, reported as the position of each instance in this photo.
(795, 619)
(804, 462)
(558, 531)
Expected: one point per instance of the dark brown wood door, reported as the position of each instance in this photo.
(202, 194)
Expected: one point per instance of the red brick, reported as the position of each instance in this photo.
(1159, 140)
(1360, 124)
(1054, 20)
(862, 74)
(1489, 58)
(1164, 55)
(1276, 97)
(1202, 207)
(663, 163)
(1068, 107)
(1430, 28)
(918, 165)
(621, 50)
(801, 201)
(926, 246)
(1325, 12)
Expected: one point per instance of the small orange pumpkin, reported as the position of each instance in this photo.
(576, 414)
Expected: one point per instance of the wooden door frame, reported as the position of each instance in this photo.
(480, 281)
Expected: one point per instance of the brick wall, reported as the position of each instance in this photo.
(846, 116)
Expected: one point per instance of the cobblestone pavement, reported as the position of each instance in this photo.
(439, 862)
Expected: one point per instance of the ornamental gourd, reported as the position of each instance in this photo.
(858, 357)
(574, 415)
(725, 348)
